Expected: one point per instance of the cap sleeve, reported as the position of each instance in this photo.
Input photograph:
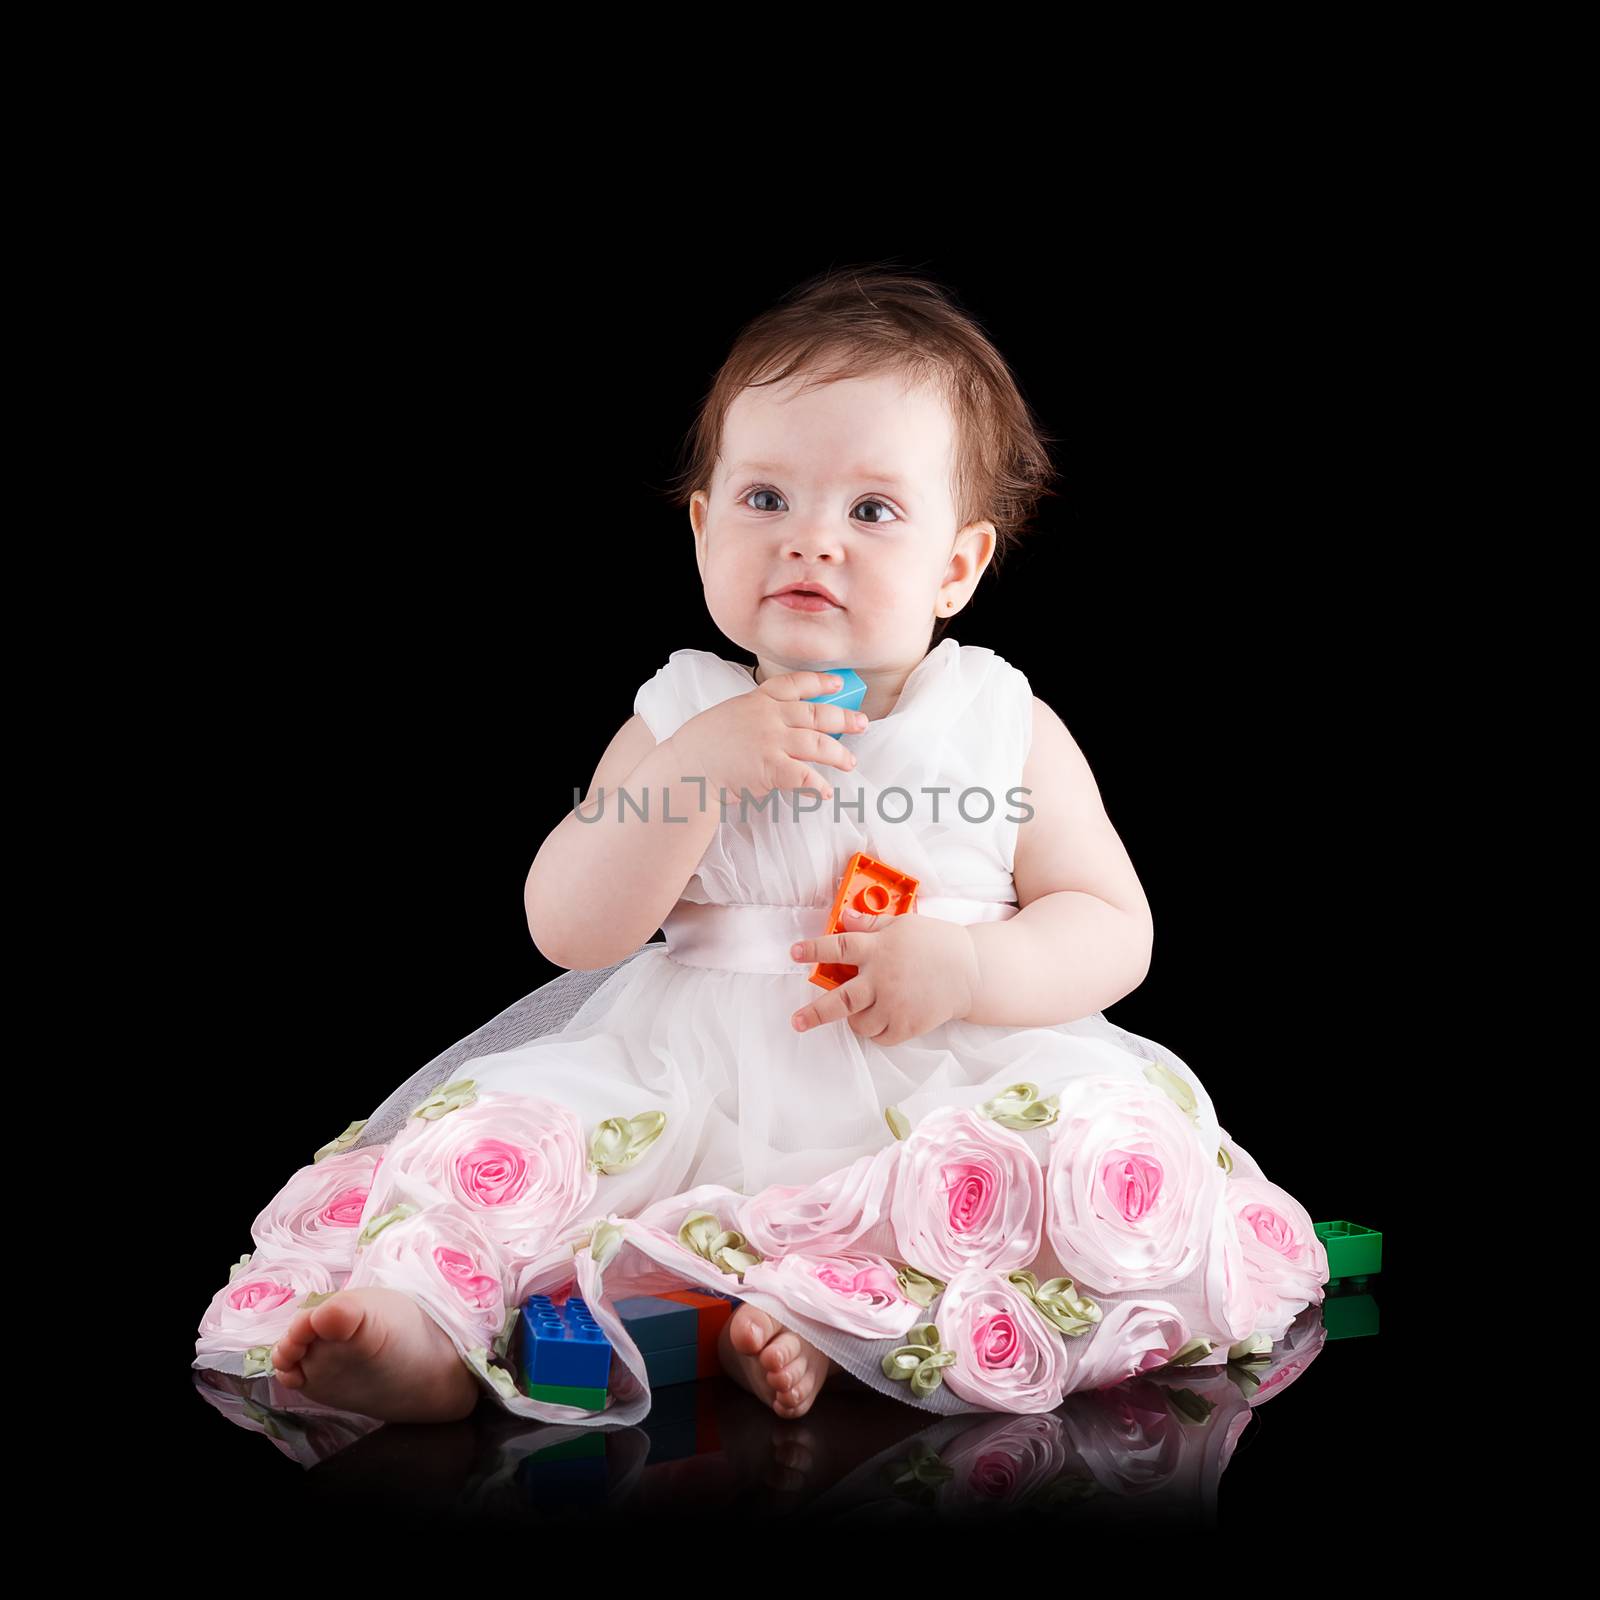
(654, 702)
(689, 683)
(1013, 730)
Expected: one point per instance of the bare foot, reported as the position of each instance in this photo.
(773, 1362)
(376, 1351)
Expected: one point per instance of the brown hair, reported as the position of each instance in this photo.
(876, 318)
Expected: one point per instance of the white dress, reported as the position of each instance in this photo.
(983, 1217)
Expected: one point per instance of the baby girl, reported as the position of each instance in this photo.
(860, 464)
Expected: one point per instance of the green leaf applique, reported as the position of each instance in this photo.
(450, 1098)
(919, 1286)
(258, 1360)
(1255, 1350)
(1020, 1108)
(726, 1250)
(618, 1142)
(1058, 1303)
(1191, 1351)
(918, 1362)
(396, 1214)
(497, 1378)
(335, 1146)
(604, 1242)
(1171, 1084)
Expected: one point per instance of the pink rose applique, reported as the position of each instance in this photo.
(1285, 1261)
(316, 1215)
(837, 1213)
(518, 1164)
(255, 1307)
(857, 1294)
(1230, 1296)
(1133, 1191)
(1008, 1356)
(968, 1193)
(447, 1263)
(1132, 1336)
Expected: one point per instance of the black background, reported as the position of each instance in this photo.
(442, 569)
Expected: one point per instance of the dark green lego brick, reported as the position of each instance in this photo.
(567, 1395)
(1354, 1251)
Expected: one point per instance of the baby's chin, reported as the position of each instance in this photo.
(801, 642)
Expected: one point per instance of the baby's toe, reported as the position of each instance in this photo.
(297, 1338)
(788, 1376)
(796, 1401)
(750, 1329)
(338, 1317)
(290, 1351)
(781, 1352)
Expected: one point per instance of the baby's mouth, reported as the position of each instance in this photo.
(805, 600)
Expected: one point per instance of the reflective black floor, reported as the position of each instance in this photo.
(1280, 1437)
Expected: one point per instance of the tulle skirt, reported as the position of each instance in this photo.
(981, 1218)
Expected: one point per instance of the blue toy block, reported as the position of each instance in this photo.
(563, 1345)
(667, 1367)
(656, 1324)
(850, 696)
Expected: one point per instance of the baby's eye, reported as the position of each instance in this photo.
(871, 500)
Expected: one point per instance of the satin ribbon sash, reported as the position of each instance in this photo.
(752, 938)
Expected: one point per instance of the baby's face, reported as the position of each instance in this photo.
(846, 486)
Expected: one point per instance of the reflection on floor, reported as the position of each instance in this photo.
(1153, 1447)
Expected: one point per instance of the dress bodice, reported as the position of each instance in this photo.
(936, 791)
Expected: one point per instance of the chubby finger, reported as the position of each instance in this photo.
(825, 715)
(809, 745)
(846, 947)
(845, 1001)
(801, 685)
(853, 921)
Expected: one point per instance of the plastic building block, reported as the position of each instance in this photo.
(677, 1332)
(563, 1346)
(1354, 1251)
(850, 696)
(713, 1309)
(871, 888)
(657, 1323)
(566, 1395)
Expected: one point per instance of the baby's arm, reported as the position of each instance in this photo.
(598, 889)
(1083, 937)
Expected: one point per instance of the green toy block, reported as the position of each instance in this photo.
(1354, 1251)
(566, 1394)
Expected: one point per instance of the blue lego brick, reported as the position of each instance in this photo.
(563, 1345)
(850, 696)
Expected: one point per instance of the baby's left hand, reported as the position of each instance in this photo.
(915, 972)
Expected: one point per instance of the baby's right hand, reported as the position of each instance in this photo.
(769, 738)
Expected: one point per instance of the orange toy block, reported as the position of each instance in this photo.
(874, 889)
(714, 1310)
